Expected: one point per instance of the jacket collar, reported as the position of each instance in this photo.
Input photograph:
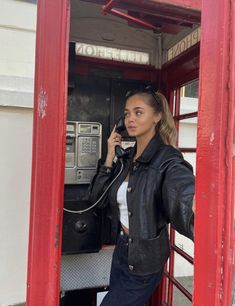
(153, 146)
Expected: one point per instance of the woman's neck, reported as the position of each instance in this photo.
(142, 143)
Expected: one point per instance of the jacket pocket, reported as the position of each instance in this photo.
(149, 255)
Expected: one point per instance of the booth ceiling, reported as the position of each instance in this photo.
(159, 16)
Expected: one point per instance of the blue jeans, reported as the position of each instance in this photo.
(126, 289)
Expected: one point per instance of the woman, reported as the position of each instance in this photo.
(154, 186)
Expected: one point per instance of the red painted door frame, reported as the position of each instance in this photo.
(181, 70)
(47, 185)
(214, 236)
(186, 4)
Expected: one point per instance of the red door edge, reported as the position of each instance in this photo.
(215, 157)
(47, 183)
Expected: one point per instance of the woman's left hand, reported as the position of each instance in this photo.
(193, 207)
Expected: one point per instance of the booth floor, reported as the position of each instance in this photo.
(178, 299)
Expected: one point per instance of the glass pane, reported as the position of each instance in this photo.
(187, 134)
(186, 245)
(183, 271)
(189, 98)
(191, 158)
(191, 89)
(179, 299)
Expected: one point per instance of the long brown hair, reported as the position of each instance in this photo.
(166, 126)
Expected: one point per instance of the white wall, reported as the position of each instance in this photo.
(15, 174)
(17, 36)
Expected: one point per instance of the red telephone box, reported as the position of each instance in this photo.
(215, 171)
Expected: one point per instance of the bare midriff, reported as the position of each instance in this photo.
(126, 230)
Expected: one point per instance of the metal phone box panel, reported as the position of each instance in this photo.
(83, 149)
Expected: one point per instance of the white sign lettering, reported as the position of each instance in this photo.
(112, 54)
(184, 44)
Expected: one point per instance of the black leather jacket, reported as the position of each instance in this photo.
(160, 190)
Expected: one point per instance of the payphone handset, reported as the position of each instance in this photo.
(120, 127)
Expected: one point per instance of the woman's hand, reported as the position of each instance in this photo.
(113, 141)
(193, 208)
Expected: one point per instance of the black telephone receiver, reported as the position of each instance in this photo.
(120, 127)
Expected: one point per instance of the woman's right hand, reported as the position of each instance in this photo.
(113, 141)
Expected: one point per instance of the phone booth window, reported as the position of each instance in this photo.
(187, 132)
(185, 107)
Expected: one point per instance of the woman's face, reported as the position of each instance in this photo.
(140, 118)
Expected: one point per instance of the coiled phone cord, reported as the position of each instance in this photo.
(100, 198)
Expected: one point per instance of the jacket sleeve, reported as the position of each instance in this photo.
(99, 184)
(177, 194)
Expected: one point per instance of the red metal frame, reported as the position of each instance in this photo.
(215, 194)
(129, 71)
(181, 69)
(173, 281)
(189, 5)
(171, 269)
(183, 254)
(186, 4)
(133, 19)
(107, 7)
(186, 116)
(50, 96)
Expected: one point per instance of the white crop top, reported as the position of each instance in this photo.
(121, 199)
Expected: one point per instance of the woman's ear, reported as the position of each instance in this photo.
(158, 117)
